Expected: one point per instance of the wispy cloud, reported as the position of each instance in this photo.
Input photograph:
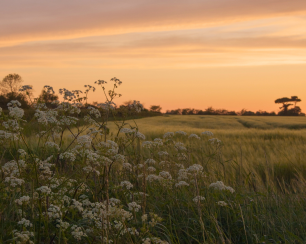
(50, 20)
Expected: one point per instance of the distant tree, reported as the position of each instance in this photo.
(155, 108)
(11, 83)
(286, 103)
(47, 97)
(127, 103)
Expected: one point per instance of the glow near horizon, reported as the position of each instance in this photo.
(228, 54)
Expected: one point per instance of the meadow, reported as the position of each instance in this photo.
(164, 179)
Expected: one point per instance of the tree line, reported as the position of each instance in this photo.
(11, 89)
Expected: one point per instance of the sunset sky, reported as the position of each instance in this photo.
(230, 54)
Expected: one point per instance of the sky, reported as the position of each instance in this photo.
(229, 54)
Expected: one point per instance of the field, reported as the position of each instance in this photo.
(104, 182)
(275, 141)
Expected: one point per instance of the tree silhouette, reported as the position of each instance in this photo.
(47, 98)
(155, 108)
(11, 83)
(286, 103)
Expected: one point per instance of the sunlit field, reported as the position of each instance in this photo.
(158, 180)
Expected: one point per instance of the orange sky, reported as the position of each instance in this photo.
(230, 54)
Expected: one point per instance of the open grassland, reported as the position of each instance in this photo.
(274, 141)
(68, 186)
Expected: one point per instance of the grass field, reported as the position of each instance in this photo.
(83, 188)
(265, 140)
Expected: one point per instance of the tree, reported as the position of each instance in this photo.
(286, 103)
(11, 83)
(47, 97)
(155, 108)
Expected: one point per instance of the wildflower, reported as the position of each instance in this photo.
(152, 177)
(179, 132)
(144, 218)
(207, 133)
(163, 153)
(158, 142)
(194, 169)
(15, 112)
(100, 82)
(126, 130)
(22, 200)
(13, 181)
(182, 174)
(63, 225)
(95, 112)
(214, 141)
(194, 136)
(168, 135)
(68, 155)
(154, 219)
(51, 144)
(165, 175)
(44, 190)
(84, 140)
(77, 232)
(164, 163)
(25, 222)
(198, 199)
(150, 161)
(22, 153)
(119, 158)
(140, 135)
(147, 144)
(222, 203)
(127, 166)
(77, 205)
(151, 169)
(179, 146)
(23, 236)
(219, 185)
(128, 185)
(181, 183)
(134, 206)
(181, 156)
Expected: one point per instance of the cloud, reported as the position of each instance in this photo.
(35, 20)
(256, 42)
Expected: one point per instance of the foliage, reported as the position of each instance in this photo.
(11, 83)
(155, 108)
(286, 103)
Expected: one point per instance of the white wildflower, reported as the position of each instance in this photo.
(198, 199)
(134, 206)
(181, 183)
(207, 133)
(214, 141)
(25, 222)
(194, 136)
(150, 161)
(168, 135)
(128, 185)
(22, 200)
(165, 175)
(51, 144)
(222, 203)
(219, 185)
(77, 232)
